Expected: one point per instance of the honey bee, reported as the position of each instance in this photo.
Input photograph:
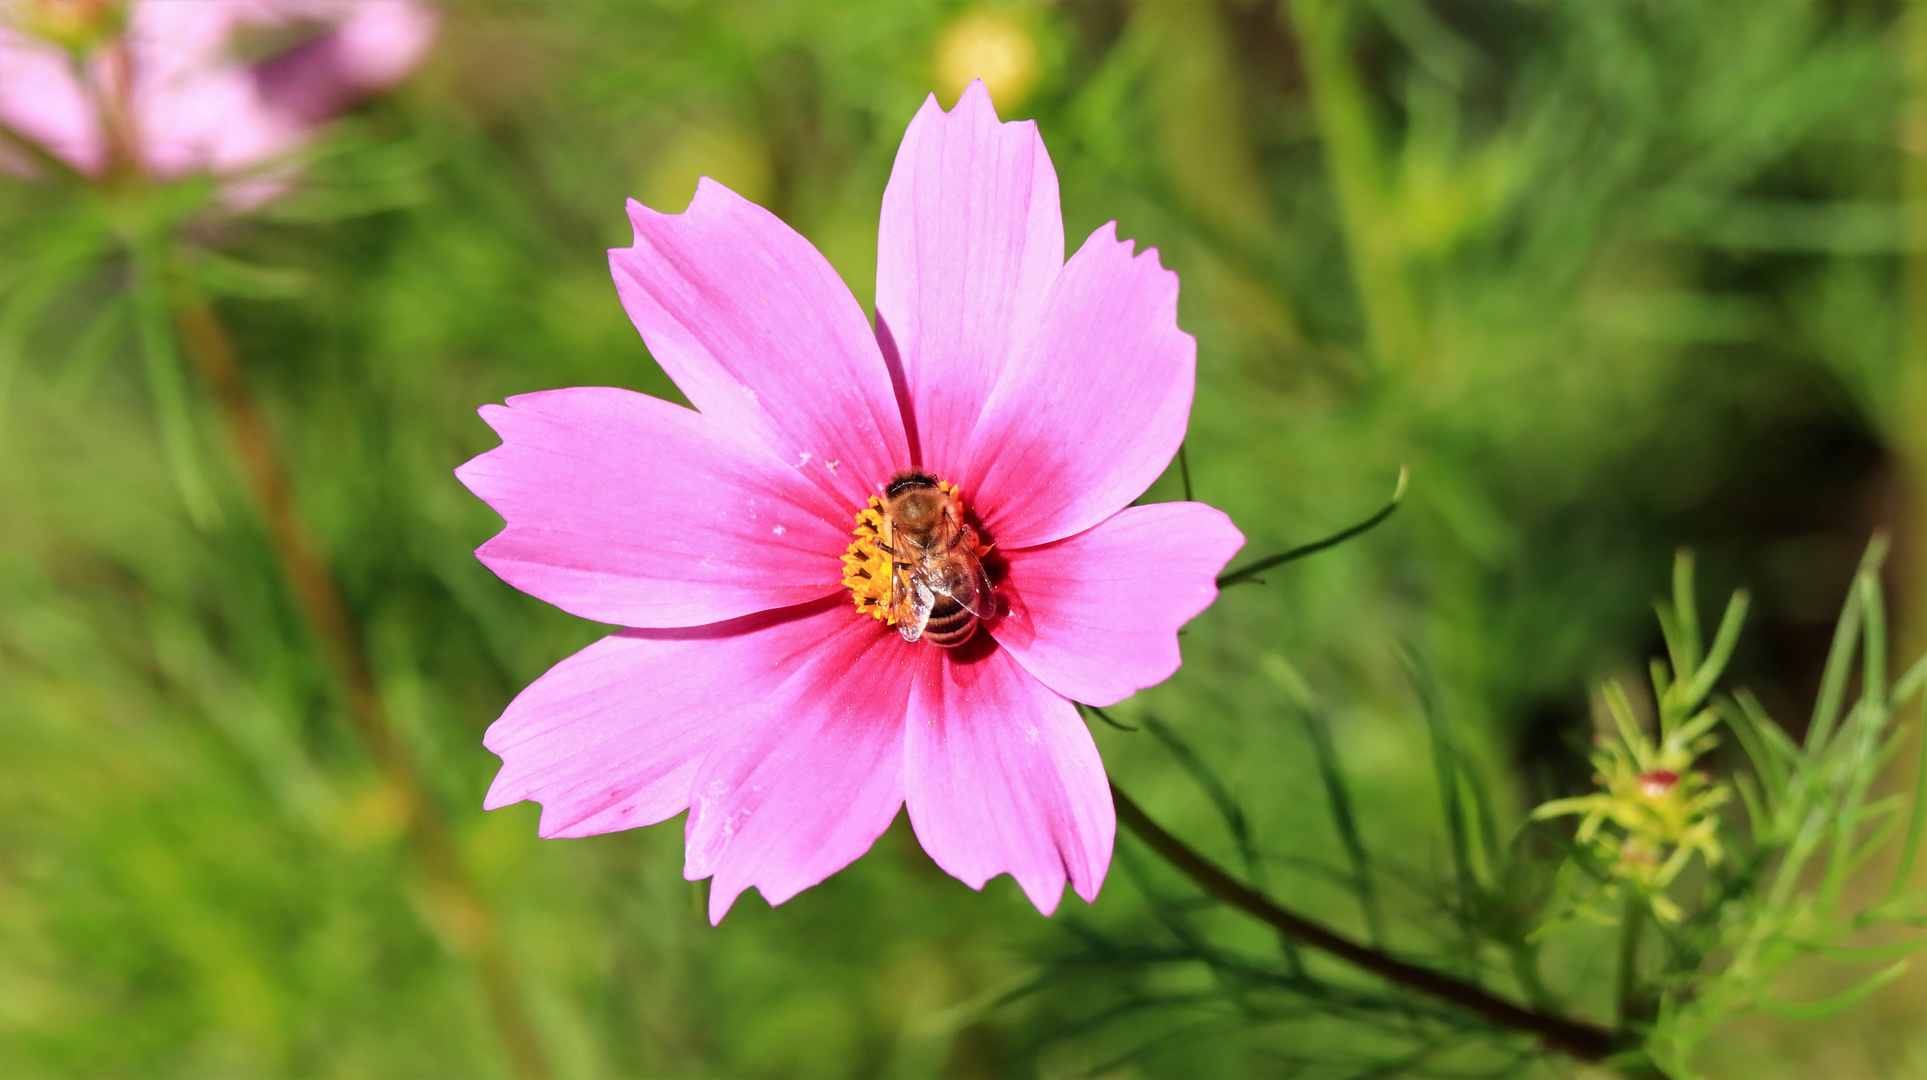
(938, 590)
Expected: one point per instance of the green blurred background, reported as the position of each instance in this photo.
(1610, 276)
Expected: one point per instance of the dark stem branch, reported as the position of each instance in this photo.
(467, 919)
(1587, 1042)
(1251, 572)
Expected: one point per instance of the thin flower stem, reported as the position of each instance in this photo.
(467, 919)
(1251, 572)
(1587, 1042)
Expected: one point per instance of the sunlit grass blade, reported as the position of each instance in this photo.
(1871, 954)
(1338, 799)
(1909, 683)
(1782, 755)
(1445, 773)
(1828, 1006)
(1873, 659)
(1677, 653)
(1724, 640)
(1691, 731)
(1621, 709)
(57, 265)
(1214, 788)
(1860, 736)
(154, 314)
(1759, 814)
(92, 349)
(1662, 676)
(1917, 818)
(1686, 616)
(1833, 680)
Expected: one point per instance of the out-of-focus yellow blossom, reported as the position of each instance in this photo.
(992, 44)
(76, 25)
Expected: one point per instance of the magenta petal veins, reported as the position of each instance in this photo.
(1095, 616)
(803, 786)
(969, 242)
(1096, 402)
(626, 509)
(764, 339)
(1003, 778)
(600, 756)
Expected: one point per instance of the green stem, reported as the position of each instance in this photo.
(1576, 1038)
(464, 914)
(1250, 571)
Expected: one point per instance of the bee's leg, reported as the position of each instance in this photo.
(881, 546)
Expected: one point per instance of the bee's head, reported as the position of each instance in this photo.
(914, 498)
(905, 482)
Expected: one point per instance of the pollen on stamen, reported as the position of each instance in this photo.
(867, 568)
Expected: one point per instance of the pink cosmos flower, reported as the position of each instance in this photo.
(165, 82)
(755, 688)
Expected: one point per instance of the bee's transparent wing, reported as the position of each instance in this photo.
(965, 582)
(911, 597)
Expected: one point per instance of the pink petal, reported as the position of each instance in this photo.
(1002, 777)
(41, 100)
(970, 239)
(814, 777)
(381, 41)
(197, 110)
(626, 509)
(1094, 405)
(376, 45)
(1095, 617)
(762, 336)
(211, 120)
(611, 738)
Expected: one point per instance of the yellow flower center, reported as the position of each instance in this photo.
(77, 25)
(867, 567)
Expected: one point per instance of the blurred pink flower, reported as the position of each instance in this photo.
(751, 691)
(168, 84)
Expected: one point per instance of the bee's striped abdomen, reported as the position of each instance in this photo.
(950, 624)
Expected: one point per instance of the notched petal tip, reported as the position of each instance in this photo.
(1046, 903)
(720, 901)
(976, 96)
(710, 193)
(1003, 777)
(500, 795)
(1092, 884)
